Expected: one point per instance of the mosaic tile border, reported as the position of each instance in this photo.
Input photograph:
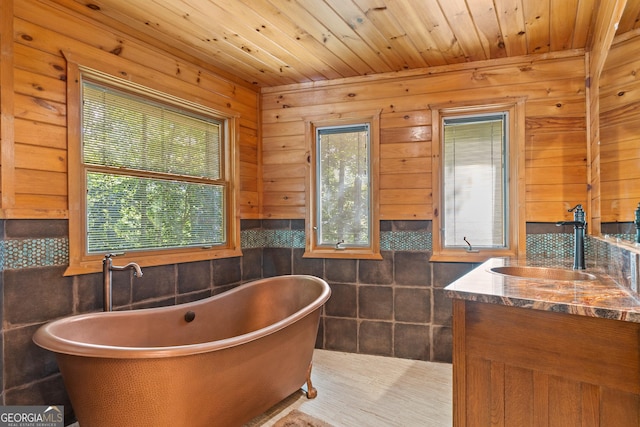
(258, 238)
(405, 241)
(389, 240)
(550, 245)
(30, 253)
(555, 245)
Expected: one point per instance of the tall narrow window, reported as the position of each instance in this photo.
(478, 179)
(474, 178)
(344, 187)
(342, 214)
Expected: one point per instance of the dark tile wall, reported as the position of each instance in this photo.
(391, 307)
(34, 295)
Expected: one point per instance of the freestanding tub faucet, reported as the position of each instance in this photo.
(107, 268)
(579, 225)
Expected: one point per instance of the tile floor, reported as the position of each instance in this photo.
(356, 390)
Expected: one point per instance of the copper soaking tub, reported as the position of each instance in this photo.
(219, 361)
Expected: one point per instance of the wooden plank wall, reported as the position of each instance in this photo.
(620, 132)
(6, 89)
(41, 31)
(605, 26)
(556, 163)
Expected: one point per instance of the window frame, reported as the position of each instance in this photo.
(80, 261)
(515, 212)
(312, 249)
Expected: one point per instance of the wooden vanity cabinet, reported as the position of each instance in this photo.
(518, 367)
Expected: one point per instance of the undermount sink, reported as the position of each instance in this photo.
(544, 273)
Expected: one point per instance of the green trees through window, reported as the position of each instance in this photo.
(153, 173)
(343, 185)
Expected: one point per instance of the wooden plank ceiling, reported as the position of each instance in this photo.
(278, 42)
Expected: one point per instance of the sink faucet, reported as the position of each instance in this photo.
(579, 225)
(637, 223)
(107, 268)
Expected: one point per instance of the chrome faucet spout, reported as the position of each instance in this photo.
(107, 279)
(132, 265)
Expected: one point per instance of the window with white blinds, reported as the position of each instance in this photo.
(154, 173)
(475, 181)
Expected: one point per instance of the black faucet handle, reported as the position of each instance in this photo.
(578, 213)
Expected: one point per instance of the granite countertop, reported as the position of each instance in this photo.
(601, 297)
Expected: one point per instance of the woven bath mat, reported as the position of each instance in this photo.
(297, 418)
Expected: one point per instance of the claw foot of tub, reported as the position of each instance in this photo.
(311, 391)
